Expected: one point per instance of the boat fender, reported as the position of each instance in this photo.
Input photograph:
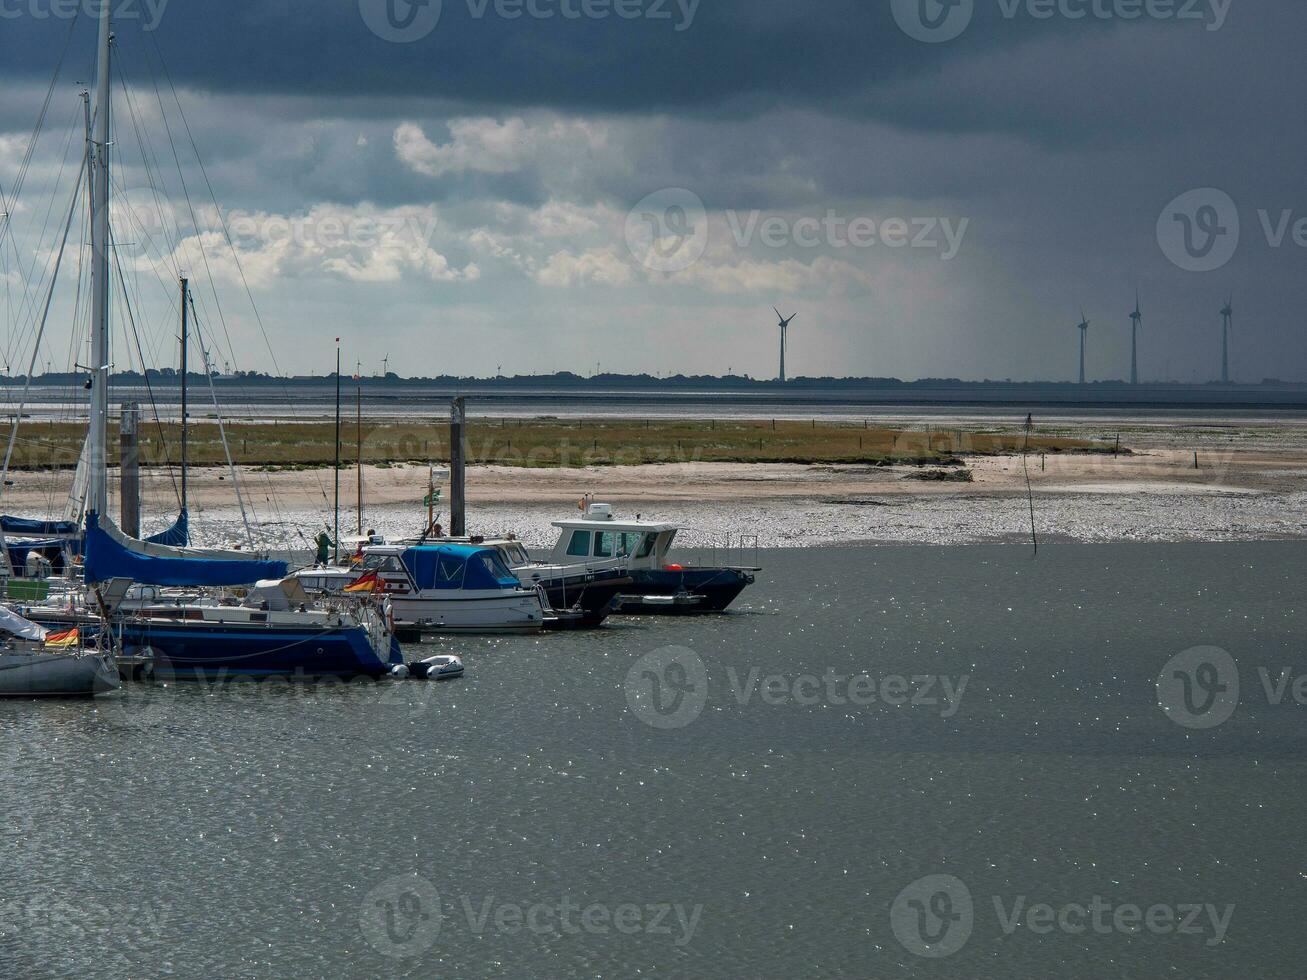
(399, 672)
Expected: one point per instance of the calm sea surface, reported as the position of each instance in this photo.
(894, 762)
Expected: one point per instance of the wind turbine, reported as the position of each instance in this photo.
(1083, 327)
(1136, 321)
(785, 326)
(385, 365)
(1227, 324)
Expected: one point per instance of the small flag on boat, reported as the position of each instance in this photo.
(431, 499)
(67, 638)
(368, 583)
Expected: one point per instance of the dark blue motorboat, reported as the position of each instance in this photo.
(599, 542)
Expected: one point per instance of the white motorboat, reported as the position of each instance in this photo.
(450, 588)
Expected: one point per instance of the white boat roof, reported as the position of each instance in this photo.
(329, 570)
(590, 524)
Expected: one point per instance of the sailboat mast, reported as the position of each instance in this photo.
(99, 152)
(358, 438)
(336, 467)
(185, 419)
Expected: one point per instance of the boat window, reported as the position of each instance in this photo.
(580, 544)
(381, 563)
(450, 571)
(604, 544)
(647, 548)
(496, 567)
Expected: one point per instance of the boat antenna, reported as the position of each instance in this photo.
(1030, 492)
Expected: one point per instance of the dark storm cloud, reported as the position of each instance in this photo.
(679, 53)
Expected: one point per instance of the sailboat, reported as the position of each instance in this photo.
(273, 632)
(36, 663)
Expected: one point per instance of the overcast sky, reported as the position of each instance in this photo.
(635, 183)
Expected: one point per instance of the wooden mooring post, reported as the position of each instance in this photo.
(129, 456)
(458, 468)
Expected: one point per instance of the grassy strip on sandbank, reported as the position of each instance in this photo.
(549, 443)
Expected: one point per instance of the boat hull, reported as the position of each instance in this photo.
(712, 589)
(512, 612)
(593, 601)
(232, 651)
(50, 675)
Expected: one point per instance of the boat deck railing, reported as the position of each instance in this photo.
(707, 549)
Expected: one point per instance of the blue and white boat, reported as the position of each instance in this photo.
(276, 631)
(453, 588)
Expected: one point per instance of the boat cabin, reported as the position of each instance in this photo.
(599, 535)
(409, 569)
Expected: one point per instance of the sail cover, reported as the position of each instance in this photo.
(111, 554)
(177, 536)
(16, 625)
(38, 529)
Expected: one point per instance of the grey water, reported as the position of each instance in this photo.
(1059, 405)
(889, 762)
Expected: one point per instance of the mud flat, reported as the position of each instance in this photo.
(1246, 484)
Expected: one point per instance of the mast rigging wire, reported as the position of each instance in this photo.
(36, 346)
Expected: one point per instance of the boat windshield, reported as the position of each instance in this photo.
(382, 563)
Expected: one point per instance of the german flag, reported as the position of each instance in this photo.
(368, 583)
(67, 638)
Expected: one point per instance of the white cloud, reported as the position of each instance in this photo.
(556, 219)
(485, 145)
(748, 275)
(362, 244)
(598, 265)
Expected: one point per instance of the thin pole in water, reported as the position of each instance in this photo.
(1030, 492)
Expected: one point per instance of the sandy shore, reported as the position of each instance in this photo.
(1152, 494)
(1148, 471)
